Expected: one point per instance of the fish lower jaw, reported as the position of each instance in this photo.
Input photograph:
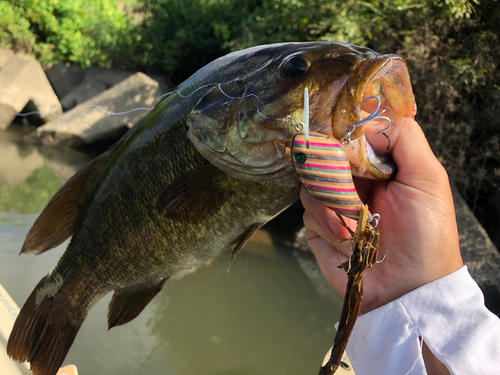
(384, 88)
(368, 164)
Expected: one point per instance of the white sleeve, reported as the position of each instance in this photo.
(449, 314)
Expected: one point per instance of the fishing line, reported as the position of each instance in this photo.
(421, 346)
(288, 119)
(159, 99)
(248, 96)
(84, 106)
(81, 106)
(298, 125)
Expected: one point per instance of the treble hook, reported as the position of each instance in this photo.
(375, 219)
(381, 260)
(349, 129)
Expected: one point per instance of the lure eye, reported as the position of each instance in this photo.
(296, 66)
(300, 158)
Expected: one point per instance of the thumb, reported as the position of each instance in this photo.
(410, 150)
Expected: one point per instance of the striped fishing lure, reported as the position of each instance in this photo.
(323, 168)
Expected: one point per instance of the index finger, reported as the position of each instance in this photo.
(325, 218)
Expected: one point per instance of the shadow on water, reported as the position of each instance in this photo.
(264, 317)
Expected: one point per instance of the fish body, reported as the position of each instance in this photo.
(198, 175)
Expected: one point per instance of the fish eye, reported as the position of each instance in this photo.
(296, 66)
(300, 158)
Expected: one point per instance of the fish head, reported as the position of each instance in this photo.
(245, 122)
(366, 74)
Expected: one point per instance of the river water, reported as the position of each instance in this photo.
(264, 317)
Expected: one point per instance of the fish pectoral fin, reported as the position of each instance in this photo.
(241, 241)
(127, 303)
(57, 220)
(194, 196)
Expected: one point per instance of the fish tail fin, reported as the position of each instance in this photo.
(45, 329)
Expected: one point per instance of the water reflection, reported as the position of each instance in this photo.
(262, 318)
(265, 317)
(30, 175)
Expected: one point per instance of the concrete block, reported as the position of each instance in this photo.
(5, 55)
(64, 78)
(83, 125)
(23, 82)
(96, 81)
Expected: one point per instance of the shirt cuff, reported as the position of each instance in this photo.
(448, 313)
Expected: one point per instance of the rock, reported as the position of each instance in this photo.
(488, 213)
(5, 55)
(111, 77)
(23, 84)
(64, 78)
(96, 81)
(300, 242)
(85, 124)
(478, 253)
(164, 82)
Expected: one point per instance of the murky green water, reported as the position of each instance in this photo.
(265, 317)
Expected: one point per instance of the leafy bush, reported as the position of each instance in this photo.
(14, 30)
(178, 37)
(82, 32)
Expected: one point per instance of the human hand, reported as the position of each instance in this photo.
(418, 226)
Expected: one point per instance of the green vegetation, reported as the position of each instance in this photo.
(83, 32)
(451, 47)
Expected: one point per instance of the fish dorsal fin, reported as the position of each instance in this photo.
(323, 168)
(194, 196)
(241, 241)
(57, 220)
(127, 303)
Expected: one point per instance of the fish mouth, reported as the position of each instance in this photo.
(386, 78)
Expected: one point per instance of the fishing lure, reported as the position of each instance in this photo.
(323, 168)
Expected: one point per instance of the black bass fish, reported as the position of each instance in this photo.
(198, 175)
